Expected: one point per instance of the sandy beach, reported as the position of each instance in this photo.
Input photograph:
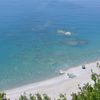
(61, 84)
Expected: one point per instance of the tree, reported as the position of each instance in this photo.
(89, 92)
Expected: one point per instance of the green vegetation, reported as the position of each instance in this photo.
(35, 97)
(2, 96)
(41, 97)
(87, 92)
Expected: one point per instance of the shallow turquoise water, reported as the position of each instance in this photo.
(31, 49)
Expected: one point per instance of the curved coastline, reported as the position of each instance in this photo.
(62, 83)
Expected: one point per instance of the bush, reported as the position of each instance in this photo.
(87, 92)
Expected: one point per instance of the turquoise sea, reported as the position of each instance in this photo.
(32, 48)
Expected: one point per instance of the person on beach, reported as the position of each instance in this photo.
(83, 67)
(98, 65)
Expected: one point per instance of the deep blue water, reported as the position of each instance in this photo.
(31, 49)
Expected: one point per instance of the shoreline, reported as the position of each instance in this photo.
(61, 83)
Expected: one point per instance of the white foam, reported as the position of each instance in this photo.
(61, 31)
(64, 32)
(62, 71)
(68, 33)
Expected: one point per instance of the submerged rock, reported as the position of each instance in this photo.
(77, 42)
(72, 43)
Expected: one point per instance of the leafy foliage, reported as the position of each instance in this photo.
(62, 97)
(87, 92)
(35, 97)
(2, 96)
